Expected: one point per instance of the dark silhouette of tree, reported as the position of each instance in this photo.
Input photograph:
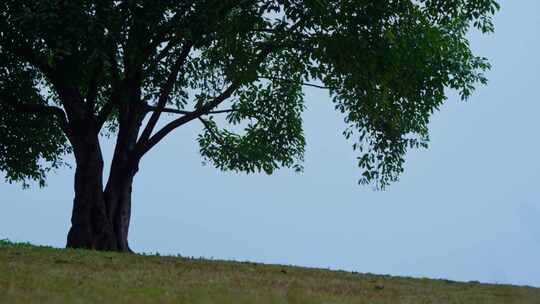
(71, 71)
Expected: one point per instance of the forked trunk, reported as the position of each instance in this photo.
(100, 218)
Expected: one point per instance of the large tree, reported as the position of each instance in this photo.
(72, 71)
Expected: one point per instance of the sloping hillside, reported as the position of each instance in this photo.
(31, 274)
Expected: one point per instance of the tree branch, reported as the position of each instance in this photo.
(144, 147)
(108, 107)
(164, 32)
(160, 35)
(214, 135)
(45, 110)
(276, 31)
(91, 95)
(160, 56)
(165, 92)
(26, 53)
(301, 83)
(184, 112)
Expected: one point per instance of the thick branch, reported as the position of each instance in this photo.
(91, 95)
(108, 107)
(166, 92)
(144, 147)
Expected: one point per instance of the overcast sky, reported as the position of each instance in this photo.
(467, 208)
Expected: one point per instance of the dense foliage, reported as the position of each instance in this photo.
(386, 65)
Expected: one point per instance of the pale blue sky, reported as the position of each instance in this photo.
(467, 208)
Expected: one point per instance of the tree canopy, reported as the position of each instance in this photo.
(386, 65)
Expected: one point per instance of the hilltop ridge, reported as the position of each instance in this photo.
(35, 274)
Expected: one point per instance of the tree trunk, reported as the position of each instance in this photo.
(124, 166)
(118, 200)
(91, 228)
(101, 217)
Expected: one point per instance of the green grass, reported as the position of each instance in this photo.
(32, 274)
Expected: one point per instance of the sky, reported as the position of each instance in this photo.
(466, 208)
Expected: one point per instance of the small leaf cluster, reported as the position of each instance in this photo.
(273, 135)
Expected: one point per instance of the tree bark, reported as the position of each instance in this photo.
(118, 200)
(91, 227)
(101, 217)
(124, 166)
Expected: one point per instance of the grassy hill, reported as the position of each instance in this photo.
(31, 274)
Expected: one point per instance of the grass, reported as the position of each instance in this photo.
(33, 274)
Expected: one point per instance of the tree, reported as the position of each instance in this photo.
(72, 71)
